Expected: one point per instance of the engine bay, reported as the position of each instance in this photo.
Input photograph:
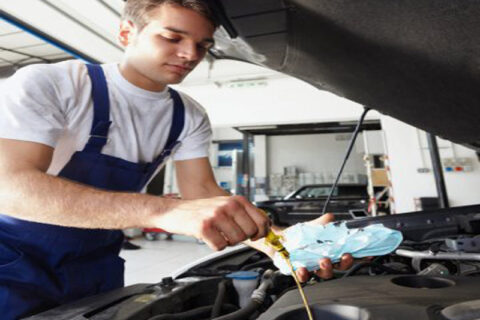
(432, 275)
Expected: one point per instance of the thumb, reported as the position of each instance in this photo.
(324, 219)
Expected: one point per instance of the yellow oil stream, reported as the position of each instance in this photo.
(273, 241)
(300, 289)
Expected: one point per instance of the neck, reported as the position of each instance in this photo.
(136, 78)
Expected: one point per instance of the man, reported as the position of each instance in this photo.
(79, 142)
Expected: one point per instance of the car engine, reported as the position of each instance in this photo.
(432, 275)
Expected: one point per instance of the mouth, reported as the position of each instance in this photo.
(178, 68)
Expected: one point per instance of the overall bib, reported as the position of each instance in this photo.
(43, 265)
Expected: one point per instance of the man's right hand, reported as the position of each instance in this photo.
(218, 221)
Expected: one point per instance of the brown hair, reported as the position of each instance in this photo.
(138, 10)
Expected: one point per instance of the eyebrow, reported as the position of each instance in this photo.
(209, 40)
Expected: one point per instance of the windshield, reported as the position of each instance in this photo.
(315, 192)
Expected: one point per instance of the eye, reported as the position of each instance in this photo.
(204, 46)
(171, 39)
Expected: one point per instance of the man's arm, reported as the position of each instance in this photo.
(28, 192)
(195, 179)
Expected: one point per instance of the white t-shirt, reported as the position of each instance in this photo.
(52, 104)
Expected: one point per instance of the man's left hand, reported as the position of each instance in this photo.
(326, 266)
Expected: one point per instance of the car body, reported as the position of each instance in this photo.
(416, 61)
(348, 201)
(432, 276)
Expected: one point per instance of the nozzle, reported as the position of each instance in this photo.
(273, 241)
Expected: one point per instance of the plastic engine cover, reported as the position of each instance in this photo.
(380, 297)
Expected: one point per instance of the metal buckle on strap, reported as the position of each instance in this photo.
(98, 136)
(167, 152)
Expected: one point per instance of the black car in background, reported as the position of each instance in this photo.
(348, 201)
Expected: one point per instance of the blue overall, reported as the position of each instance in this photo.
(42, 265)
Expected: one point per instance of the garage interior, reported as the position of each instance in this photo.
(272, 133)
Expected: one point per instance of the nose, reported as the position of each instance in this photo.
(189, 51)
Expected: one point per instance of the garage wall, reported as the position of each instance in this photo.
(226, 133)
(407, 151)
(311, 153)
(317, 158)
(264, 97)
(281, 101)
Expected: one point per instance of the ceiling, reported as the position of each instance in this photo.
(18, 48)
(84, 29)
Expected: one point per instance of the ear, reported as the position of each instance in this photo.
(126, 33)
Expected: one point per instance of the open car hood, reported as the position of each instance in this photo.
(417, 61)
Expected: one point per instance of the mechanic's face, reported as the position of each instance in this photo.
(170, 45)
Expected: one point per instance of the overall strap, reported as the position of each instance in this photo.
(178, 122)
(101, 110)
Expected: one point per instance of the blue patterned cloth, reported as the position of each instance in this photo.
(309, 243)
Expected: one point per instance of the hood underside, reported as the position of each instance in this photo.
(416, 60)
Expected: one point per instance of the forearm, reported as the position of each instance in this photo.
(36, 196)
(196, 180)
(28, 193)
(204, 191)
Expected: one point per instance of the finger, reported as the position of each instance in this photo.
(212, 237)
(346, 262)
(326, 269)
(324, 219)
(247, 225)
(238, 213)
(228, 227)
(261, 220)
(302, 274)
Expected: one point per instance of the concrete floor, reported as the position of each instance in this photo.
(159, 258)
